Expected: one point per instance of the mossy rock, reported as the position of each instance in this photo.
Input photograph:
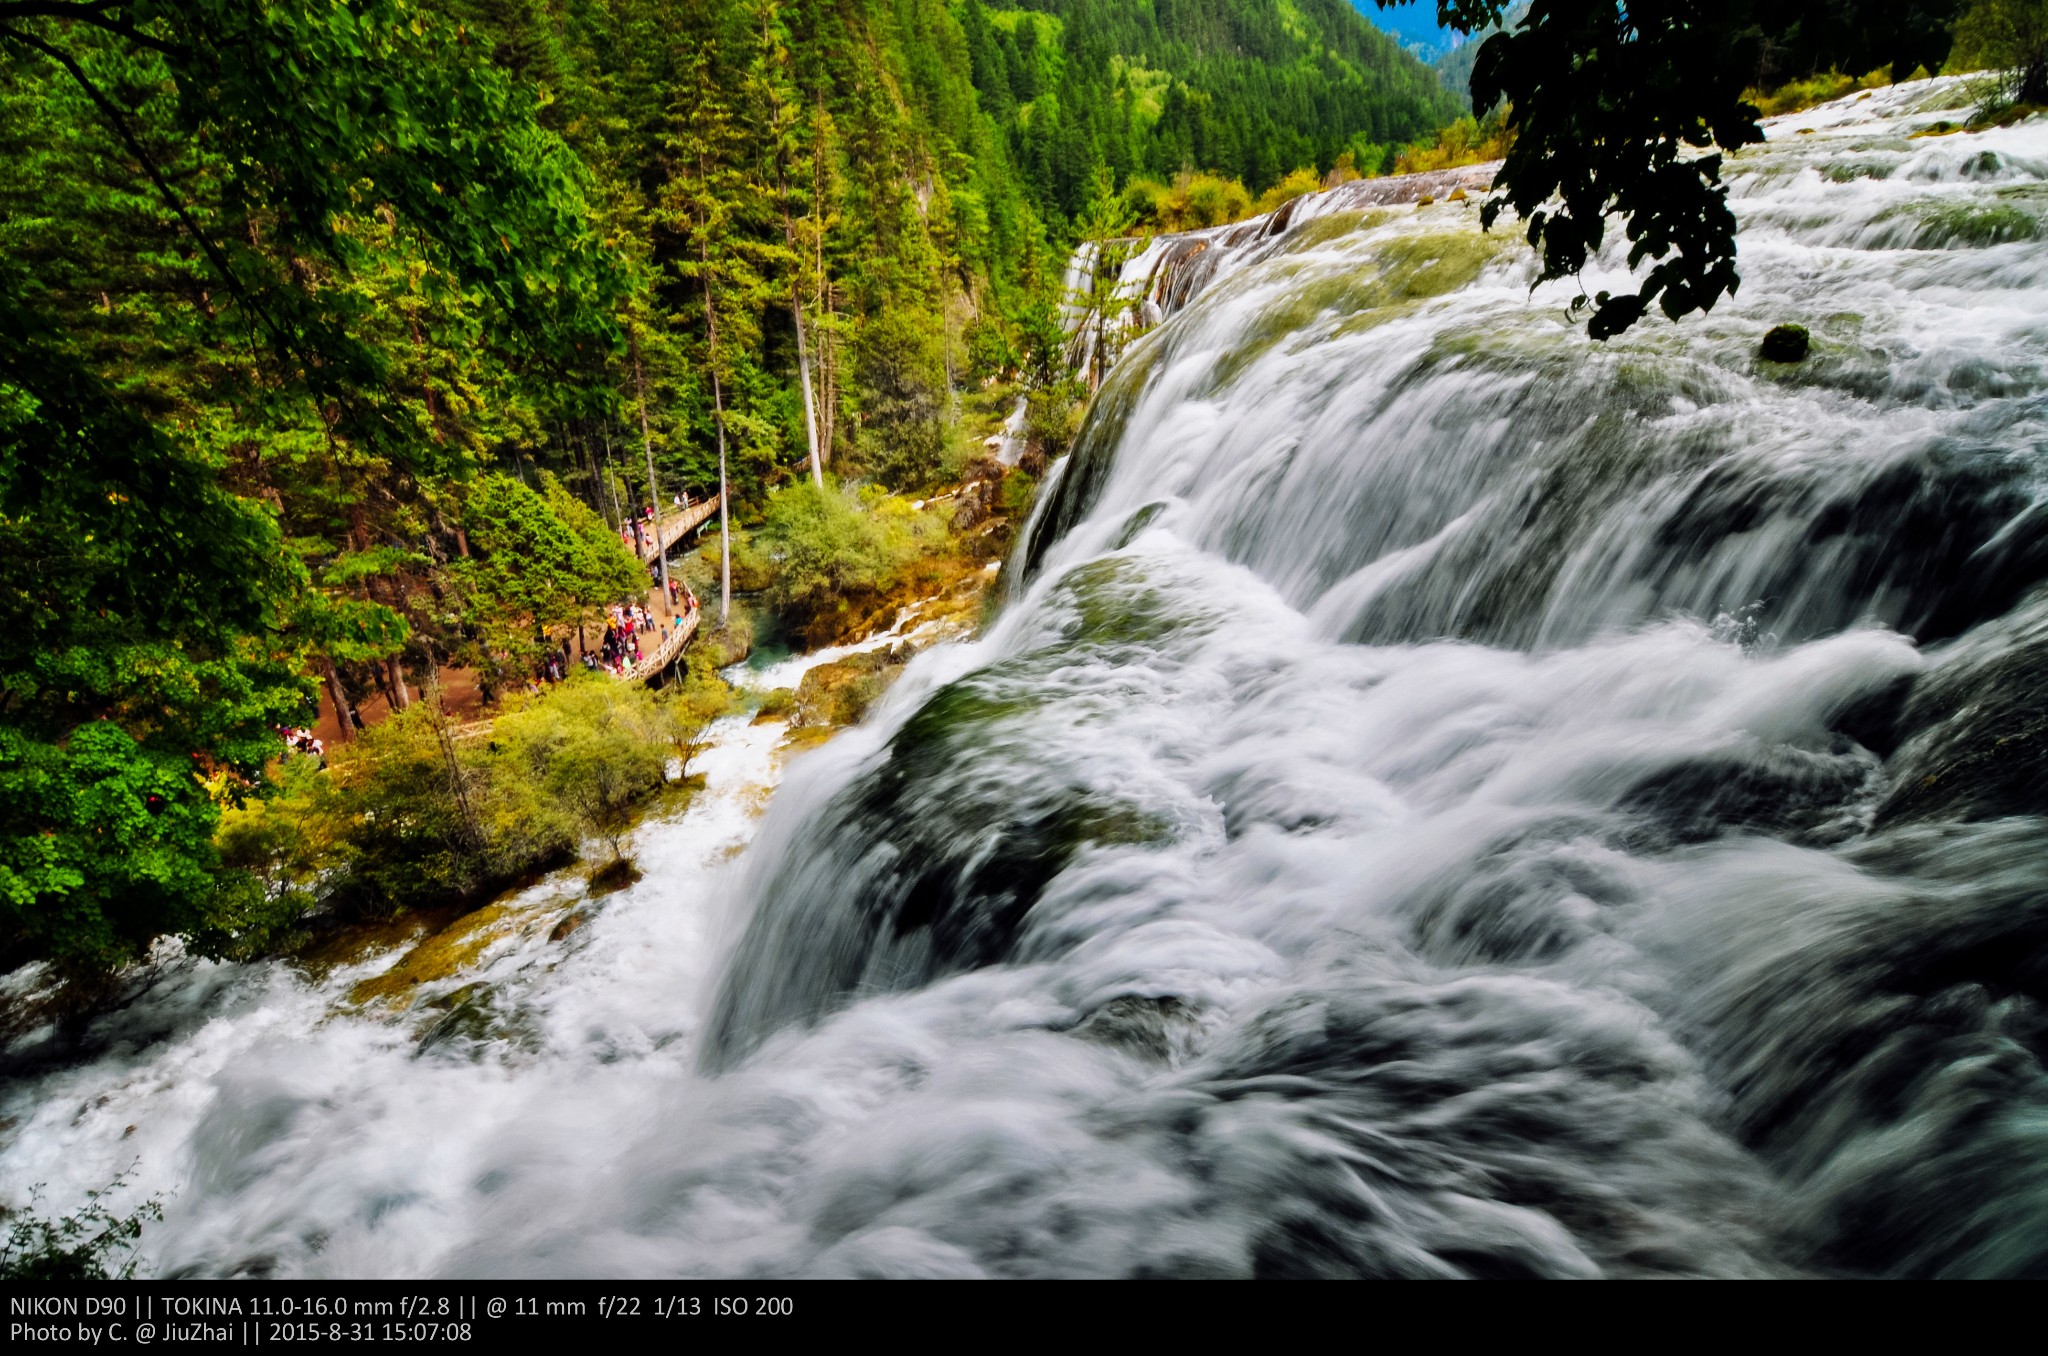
(841, 692)
(801, 737)
(436, 958)
(1978, 734)
(724, 646)
(1785, 344)
(775, 705)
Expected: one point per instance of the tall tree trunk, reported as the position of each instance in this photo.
(458, 780)
(338, 694)
(803, 353)
(395, 666)
(718, 410)
(724, 520)
(828, 380)
(803, 367)
(647, 445)
(826, 414)
(599, 491)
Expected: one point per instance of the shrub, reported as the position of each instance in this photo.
(1468, 141)
(1019, 490)
(1293, 186)
(410, 816)
(90, 1244)
(2010, 36)
(1051, 420)
(835, 551)
(1823, 87)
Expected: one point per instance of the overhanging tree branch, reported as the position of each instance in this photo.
(101, 14)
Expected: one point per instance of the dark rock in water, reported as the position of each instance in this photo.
(1979, 747)
(1785, 344)
(1775, 789)
(1948, 533)
(945, 868)
(614, 875)
(1151, 1028)
(1875, 719)
(1528, 897)
(976, 500)
(471, 1016)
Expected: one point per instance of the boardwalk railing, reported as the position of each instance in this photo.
(674, 525)
(653, 665)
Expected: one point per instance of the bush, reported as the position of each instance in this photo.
(90, 1244)
(1193, 200)
(410, 816)
(1292, 187)
(1821, 88)
(2010, 36)
(1019, 490)
(835, 552)
(751, 569)
(583, 757)
(1468, 141)
(1051, 420)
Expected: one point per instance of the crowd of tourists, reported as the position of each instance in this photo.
(306, 742)
(632, 634)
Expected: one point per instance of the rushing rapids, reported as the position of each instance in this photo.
(1442, 797)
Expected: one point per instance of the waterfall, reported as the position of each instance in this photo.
(1442, 797)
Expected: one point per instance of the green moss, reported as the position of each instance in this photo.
(1403, 270)
(438, 957)
(1947, 224)
(1116, 606)
(1321, 231)
(1137, 523)
(1785, 344)
(841, 692)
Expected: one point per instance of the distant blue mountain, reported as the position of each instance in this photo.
(1414, 25)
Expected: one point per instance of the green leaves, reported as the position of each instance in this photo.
(232, 232)
(1610, 103)
(543, 559)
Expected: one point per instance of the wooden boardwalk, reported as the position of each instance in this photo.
(652, 666)
(674, 525)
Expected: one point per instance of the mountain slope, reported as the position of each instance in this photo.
(1250, 88)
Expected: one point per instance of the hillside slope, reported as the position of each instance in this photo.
(1250, 88)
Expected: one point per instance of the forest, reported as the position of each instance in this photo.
(341, 340)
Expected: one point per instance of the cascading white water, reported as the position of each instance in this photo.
(1443, 797)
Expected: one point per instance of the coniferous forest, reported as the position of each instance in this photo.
(292, 281)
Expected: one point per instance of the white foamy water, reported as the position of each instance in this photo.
(1444, 798)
